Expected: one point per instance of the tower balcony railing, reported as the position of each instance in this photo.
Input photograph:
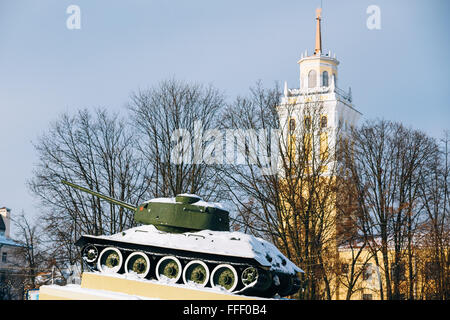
(322, 90)
(345, 95)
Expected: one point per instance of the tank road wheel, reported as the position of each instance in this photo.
(168, 268)
(249, 276)
(224, 276)
(137, 263)
(110, 260)
(262, 278)
(90, 253)
(196, 273)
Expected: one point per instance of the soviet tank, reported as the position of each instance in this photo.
(188, 241)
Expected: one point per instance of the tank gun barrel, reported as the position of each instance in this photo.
(101, 196)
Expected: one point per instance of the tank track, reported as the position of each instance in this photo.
(247, 276)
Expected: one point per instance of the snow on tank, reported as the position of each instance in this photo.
(223, 243)
(200, 202)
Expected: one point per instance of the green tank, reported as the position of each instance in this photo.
(186, 240)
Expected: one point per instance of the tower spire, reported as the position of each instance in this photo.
(318, 48)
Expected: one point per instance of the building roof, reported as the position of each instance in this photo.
(4, 241)
(8, 242)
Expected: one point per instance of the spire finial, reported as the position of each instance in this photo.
(318, 48)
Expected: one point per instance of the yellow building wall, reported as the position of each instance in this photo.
(371, 286)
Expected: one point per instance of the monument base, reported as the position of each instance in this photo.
(96, 286)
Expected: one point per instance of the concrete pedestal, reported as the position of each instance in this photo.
(95, 286)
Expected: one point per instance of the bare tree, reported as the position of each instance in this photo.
(30, 256)
(434, 192)
(350, 225)
(291, 206)
(388, 165)
(98, 151)
(161, 112)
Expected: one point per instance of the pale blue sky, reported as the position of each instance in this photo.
(399, 72)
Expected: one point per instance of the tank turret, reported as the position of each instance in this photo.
(184, 213)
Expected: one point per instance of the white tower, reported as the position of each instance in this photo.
(319, 82)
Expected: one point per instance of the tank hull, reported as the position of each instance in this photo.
(269, 282)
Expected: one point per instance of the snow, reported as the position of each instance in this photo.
(162, 200)
(107, 269)
(200, 203)
(189, 195)
(225, 243)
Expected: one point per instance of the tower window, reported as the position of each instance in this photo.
(291, 126)
(367, 272)
(312, 79)
(325, 79)
(324, 122)
(344, 268)
(324, 146)
(307, 123)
